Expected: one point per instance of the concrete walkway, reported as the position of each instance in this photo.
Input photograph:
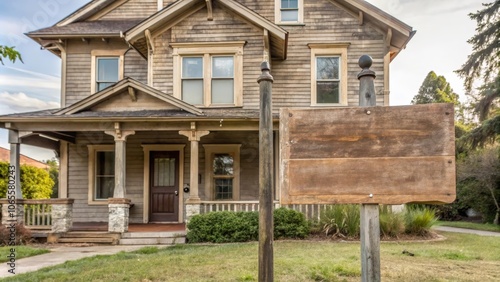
(60, 254)
(467, 231)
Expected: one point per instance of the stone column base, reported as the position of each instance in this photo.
(118, 214)
(12, 212)
(192, 210)
(62, 215)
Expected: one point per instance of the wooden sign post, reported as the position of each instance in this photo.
(266, 224)
(368, 156)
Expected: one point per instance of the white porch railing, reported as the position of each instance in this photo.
(37, 214)
(312, 212)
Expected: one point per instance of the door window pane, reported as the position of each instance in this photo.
(164, 172)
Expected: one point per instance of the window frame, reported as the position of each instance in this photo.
(95, 55)
(92, 166)
(329, 50)
(300, 16)
(208, 51)
(210, 151)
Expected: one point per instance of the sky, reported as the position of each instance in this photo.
(440, 44)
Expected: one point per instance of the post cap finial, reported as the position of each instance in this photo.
(266, 75)
(365, 62)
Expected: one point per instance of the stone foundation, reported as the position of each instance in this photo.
(118, 215)
(12, 212)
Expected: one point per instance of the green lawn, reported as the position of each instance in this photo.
(462, 257)
(471, 225)
(21, 252)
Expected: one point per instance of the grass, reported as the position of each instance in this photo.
(462, 257)
(21, 252)
(471, 225)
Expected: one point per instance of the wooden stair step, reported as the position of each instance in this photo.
(79, 234)
(88, 240)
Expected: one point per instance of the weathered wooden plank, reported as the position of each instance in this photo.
(388, 180)
(422, 130)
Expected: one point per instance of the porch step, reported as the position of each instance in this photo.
(153, 238)
(89, 237)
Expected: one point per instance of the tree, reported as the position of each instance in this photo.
(54, 175)
(484, 64)
(9, 53)
(35, 182)
(479, 175)
(435, 89)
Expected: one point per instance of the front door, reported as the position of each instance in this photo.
(164, 186)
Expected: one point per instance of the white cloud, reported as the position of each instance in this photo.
(20, 102)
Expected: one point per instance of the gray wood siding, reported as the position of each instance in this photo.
(77, 77)
(133, 9)
(135, 66)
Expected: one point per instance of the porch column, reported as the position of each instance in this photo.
(119, 205)
(15, 207)
(194, 201)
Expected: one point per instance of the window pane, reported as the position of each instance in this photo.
(107, 69)
(327, 92)
(103, 85)
(105, 174)
(222, 91)
(192, 91)
(223, 164)
(222, 67)
(289, 4)
(192, 67)
(289, 15)
(104, 187)
(223, 189)
(327, 68)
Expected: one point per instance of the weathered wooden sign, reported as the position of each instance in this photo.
(379, 155)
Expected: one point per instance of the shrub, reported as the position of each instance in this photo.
(419, 220)
(35, 182)
(223, 227)
(23, 235)
(341, 220)
(290, 224)
(391, 224)
(226, 226)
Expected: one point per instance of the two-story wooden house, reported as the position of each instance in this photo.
(160, 104)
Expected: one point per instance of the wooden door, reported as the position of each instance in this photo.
(164, 186)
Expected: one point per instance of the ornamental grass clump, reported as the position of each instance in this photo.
(419, 220)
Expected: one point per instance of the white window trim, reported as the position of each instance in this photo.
(93, 149)
(277, 13)
(207, 50)
(105, 53)
(210, 150)
(335, 49)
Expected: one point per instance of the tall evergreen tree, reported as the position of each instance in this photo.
(484, 65)
(435, 89)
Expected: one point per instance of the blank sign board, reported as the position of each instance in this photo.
(379, 155)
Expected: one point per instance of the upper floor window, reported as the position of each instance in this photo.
(107, 68)
(328, 74)
(107, 72)
(209, 74)
(289, 11)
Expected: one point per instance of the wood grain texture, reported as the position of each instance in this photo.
(396, 154)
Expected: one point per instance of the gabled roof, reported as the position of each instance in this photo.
(181, 9)
(84, 12)
(120, 87)
(107, 28)
(399, 34)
